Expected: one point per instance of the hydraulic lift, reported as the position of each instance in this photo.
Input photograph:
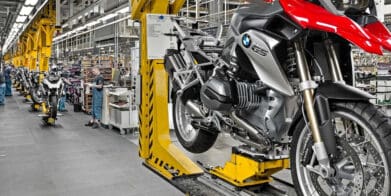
(242, 173)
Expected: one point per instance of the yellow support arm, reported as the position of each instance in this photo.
(33, 49)
(31, 52)
(155, 143)
(36, 41)
(7, 57)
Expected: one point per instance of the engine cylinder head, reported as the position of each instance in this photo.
(247, 98)
(222, 95)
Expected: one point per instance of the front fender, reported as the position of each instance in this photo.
(325, 94)
(342, 92)
(334, 92)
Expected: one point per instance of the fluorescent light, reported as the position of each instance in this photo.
(31, 2)
(123, 10)
(26, 10)
(17, 25)
(21, 18)
(91, 24)
(104, 18)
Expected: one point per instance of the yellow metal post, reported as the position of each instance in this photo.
(7, 57)
(24, 51)
(155, 145)
(31, 49)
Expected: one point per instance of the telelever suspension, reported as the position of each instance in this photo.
(307, 86)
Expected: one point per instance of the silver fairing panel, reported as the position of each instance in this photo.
(262, 57)
(50, 85)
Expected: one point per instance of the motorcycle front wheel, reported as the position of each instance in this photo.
(53, 107)
(362, 165)
(192, 139)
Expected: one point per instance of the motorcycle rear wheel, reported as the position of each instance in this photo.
(35, 97)
(362, 167)
(192, 139)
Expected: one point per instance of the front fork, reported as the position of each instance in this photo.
(307, 86)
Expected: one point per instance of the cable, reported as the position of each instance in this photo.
(316, 63)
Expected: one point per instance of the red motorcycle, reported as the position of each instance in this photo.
(280, 84)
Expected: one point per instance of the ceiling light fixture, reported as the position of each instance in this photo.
(26, 10)
(31, 2)
(21, 18)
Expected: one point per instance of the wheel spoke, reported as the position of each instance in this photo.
(350, 125)
(361, 143)
(359, 164)
(346, 128)
(184, 119)
(374, 164)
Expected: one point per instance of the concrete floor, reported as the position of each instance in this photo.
(69, 159)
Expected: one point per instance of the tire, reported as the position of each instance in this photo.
(200, 141)
(35, 97)
(367, 122)
(53, 108)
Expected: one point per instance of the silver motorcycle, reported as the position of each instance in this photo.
(52, 89)
(283, 91)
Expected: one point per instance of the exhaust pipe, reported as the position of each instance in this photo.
(253, 132)
(194, 109)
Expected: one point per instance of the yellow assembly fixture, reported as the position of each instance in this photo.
(155, 146)
(243, 171)
(33, 48)
(34, 44)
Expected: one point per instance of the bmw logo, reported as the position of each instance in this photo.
(246, 41)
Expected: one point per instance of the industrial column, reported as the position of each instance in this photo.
(155, 145)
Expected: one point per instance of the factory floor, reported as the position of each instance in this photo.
(69, 159)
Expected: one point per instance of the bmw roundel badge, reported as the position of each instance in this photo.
(246, 41)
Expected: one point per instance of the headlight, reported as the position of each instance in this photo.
(53, 78)
(343, 5)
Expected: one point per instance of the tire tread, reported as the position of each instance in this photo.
(374, 118)
(203, 141)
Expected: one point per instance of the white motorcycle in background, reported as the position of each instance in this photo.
(53, 89)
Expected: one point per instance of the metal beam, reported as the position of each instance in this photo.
(81, 13)
(10, 3)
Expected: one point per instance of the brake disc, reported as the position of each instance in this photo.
(365, 162)
(373, 166)
(339, 186)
